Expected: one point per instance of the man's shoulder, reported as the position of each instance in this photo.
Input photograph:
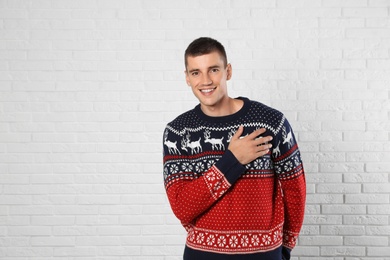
(266, 116)
(184, 120)
(266, 111)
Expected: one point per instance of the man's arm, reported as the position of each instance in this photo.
(289, 170)
(190, 195)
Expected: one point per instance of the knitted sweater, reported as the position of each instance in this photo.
(227, 207)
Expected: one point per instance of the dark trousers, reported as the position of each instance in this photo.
(191, 254)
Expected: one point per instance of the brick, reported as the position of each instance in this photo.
(324, 198)
(366, 199)
(345, 3)
(40, 252)
(366, 241)
(321, 240)
(379, 3)
(29, 231)
(343, 251)
(342, 230)
(366, 219)
(365, 12)
(377, 230)
(50, 241)
(72, 231)
(380, 209)
(349, 22)
(323, 219)
(344, 209)
(378, 251)
(341, 167)
(78, 251)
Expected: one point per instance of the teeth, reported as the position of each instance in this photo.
(207, 90)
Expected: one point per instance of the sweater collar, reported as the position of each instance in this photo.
(228, 118)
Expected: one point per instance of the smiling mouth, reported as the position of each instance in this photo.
(209, 90)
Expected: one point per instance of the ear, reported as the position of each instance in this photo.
(229, 71)
(187, 78)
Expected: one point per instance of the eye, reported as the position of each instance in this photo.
(195, 73)
(214, 70)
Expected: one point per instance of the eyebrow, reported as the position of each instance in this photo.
(209, 68)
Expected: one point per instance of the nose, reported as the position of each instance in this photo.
(206, 80)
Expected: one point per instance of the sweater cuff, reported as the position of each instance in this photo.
(230, 167)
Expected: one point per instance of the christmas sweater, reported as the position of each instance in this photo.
(227, 207)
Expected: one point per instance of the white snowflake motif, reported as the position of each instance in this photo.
(286, 237)
(165, 173)
(278, 169)
(293, 239)
(187, 167)
(221, 241)
(191, 237)
(276, 235)
(200, 238)
(210, 164)
(244, 240)
(267, 165)
(174, 168)
(288, 166)
(255, 240)
(233, 241)
(217, 186)
(296, 160)
(210, 176)
(199, 167)
(210, 240)
(258, 164)
(266, 239)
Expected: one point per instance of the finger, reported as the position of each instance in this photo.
(256, 133)
(263, 140)
(263, 152)
(264, 147)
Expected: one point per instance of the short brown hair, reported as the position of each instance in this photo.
(204, 45)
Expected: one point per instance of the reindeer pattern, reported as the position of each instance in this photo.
(194, 145)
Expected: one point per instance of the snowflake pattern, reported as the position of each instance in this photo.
(200, 238)
(210, 240)
(210, 163)
(266, 239)
(210, 176)
(255, 240)
(187, 167)
(174, 168)
(221, 241)
(199, 167)
(297, 160)
(258, 164)
(278, 169)
(231, 242)
(288, 166)
(166, 172)
(244, 240)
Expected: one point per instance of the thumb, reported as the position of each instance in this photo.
(238, 133)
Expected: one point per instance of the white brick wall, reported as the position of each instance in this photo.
(87, 86)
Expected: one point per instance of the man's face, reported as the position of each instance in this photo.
(208, 76)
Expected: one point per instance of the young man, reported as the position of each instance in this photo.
(232, 169)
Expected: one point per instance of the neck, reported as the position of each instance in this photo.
(227, 107)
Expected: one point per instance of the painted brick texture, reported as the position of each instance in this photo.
(86, 88)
